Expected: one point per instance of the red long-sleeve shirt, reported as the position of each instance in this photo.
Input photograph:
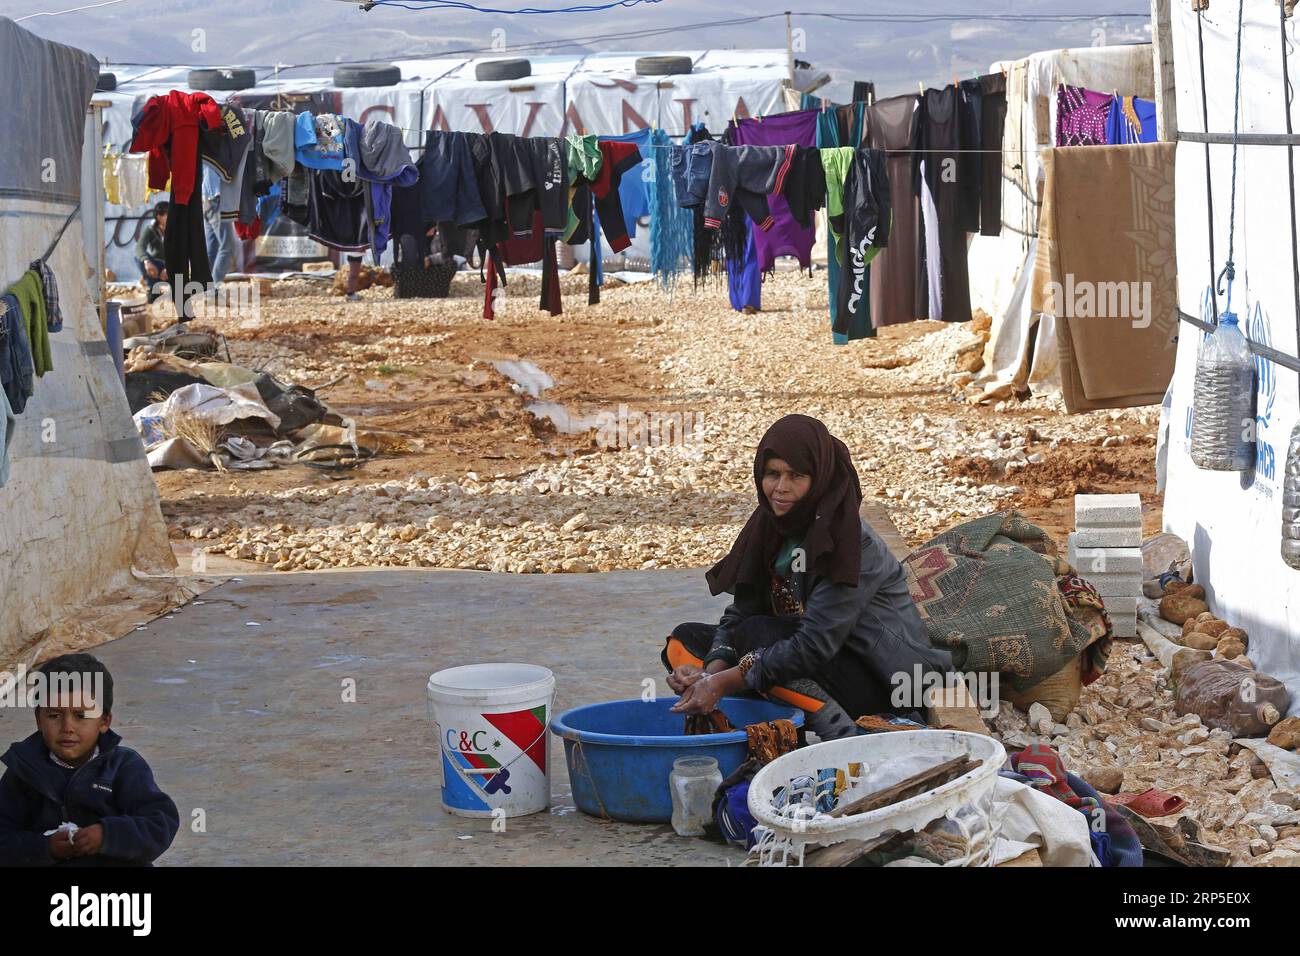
(169, 132)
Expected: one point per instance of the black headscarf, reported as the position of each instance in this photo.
(826, 518)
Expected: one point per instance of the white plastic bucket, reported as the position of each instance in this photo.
(492, 721)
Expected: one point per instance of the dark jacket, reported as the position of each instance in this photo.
(875, 621)
(115, 789)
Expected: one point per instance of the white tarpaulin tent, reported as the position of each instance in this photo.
(80, 510)
(608, 97)
(1233, 521)
(529, 106)
(1001, 267)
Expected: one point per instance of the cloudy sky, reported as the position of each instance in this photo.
(895, 55)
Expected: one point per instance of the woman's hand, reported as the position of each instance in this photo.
(701, 696)
(683, 676)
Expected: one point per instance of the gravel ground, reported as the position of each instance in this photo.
(919, 446)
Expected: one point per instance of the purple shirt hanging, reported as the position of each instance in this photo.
(1081, 116)
(786, 237)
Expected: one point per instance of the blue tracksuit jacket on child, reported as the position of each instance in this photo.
(115, 789)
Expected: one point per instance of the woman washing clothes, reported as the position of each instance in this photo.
(822, 618)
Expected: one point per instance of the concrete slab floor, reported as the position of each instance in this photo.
(236, 702)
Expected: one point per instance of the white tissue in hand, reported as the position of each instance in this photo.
(71, 829)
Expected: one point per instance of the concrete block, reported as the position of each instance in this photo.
(1108, 537)
(1099, 560)
(1124, 625)
(1121, 604)
(1116, 585)
(1108, 511)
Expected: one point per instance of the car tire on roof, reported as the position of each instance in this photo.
(367, 74)
(106, 83)
(222, 79)
(663, 65)
(502, 70)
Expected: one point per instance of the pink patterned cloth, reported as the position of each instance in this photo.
(1081, 116)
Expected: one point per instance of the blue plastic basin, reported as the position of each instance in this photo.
(620, 753)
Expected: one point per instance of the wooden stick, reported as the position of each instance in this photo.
(912, 786)
(842, 854)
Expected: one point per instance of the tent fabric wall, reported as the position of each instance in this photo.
(611, 98)
(80, 509)
(531, 106)
(1022, 351)
(1233, 521)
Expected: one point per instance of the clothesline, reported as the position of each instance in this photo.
(59, 235)
(946, 152)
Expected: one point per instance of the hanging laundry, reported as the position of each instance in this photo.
(583, 158)
(970, 182)
(1130, 120)
(448, 187)
(756, 169)
(708, 246)
(865, 221)
(804, 189)
(744, 278)
(1081, 116)
(835, 172)
(634, 187)
(318, 141)
(133, 180)
(225, 149)
(785, 236)
(894, 126)
(30, 295)
(336, 210)
(50, 288)
(670, 223)
(17, 372)
(385, 162)
(946, 292)
(993, 114)
(112, 185)
(8, 425)
(167, 128)
(617, 159)
(550, 179)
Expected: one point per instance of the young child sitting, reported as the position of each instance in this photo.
(74, 771)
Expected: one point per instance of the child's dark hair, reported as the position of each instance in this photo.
(84, 664)
(159, 211)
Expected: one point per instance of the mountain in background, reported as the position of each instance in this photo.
(893, 55)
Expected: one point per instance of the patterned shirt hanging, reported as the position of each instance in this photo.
(1081, 116)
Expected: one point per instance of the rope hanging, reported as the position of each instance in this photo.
(1229, 268)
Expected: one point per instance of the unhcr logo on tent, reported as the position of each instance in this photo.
(1257, 331)
(1099, 300)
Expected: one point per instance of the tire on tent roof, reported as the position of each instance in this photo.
(222, 79)
(663, 65)
(106, 83)
(367, 74)
(502, 70)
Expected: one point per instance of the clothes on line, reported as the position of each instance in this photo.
(29, 313)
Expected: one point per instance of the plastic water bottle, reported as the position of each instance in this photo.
(693, 782)
(1291, 502)
(1223, 400)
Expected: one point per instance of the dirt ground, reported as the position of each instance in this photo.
(424, 368)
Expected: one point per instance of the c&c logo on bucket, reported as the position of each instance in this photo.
(467, 742)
